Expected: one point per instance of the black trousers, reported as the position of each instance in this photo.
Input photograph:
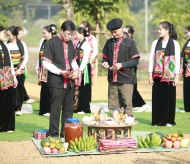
(61, 104)
(45, 105)
(186, 93)
(19, 93)
(7, 113)
(137, 99)
(163, 103)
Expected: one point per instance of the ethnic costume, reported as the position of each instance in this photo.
(59, 55)
(7, 113)
(185, 65)
(83, 50)
(45, 105)
(164, 64)
(19, 57)
(124, 51)
(94, 51)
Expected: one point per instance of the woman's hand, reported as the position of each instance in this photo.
(19, 71)
(15, 82)
(151, 81)
(176, 80)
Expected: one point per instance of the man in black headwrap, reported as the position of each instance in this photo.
(120, 56)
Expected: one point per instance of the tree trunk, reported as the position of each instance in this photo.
(68, 6)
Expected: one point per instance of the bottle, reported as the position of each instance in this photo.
(102, 116)
(73, 129)
(115, 116)
(122, 109)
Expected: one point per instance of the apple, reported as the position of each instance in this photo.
(168, 144)
(46, 150)
(176, 144)
(54, 150)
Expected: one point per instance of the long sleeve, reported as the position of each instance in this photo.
(151, 59)
(25, 56)
(95, 47)
(86, 48)
(37, 64)
(51, 67)
(177, 57)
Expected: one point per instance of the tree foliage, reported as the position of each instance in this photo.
(4, 5)
(176, 13)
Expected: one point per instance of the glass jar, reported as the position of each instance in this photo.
(73, 129)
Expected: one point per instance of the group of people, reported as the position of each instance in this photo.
(66, 61)
(121, 57)
(13, 59)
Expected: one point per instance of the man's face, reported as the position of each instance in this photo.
(67, 35)
(117, 33)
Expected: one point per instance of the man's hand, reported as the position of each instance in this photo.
(65, 74)
(116, 67)
(105, 65)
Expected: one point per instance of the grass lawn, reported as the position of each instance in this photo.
(27, 123)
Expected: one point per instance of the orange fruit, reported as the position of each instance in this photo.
(175, 135)
(173, 139)
(168, 137)
(179, 138)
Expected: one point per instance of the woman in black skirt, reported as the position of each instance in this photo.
(185, 65)
(137, 99)
(19, 57)
(45, 105)
(83, 49)
(164, 69)
(8, 82)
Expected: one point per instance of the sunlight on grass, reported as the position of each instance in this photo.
(27, 123)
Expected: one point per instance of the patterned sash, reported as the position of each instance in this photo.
(6, 78)
(164, 61)
(164, 67)
(43, 72)
(65, 50)
(115, 56)
(187, 62)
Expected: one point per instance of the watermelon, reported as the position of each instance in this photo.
(43, 141)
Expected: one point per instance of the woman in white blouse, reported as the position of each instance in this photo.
(83, 50)
(19, 57)
(164, 68)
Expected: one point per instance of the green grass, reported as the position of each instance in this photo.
(27, 123)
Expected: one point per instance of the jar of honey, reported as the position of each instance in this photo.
(73, 129)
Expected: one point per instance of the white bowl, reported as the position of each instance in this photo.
(109, 122)
(129, 120)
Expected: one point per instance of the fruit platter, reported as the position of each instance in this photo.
(157, 139)
(52, 145)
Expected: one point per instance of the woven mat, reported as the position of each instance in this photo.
(96, 152)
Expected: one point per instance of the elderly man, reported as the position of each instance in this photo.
(59, 60)
(120, 56)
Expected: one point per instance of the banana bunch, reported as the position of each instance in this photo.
(83, 144)
(148, 142)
